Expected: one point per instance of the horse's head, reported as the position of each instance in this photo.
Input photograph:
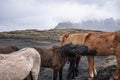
(67, 50)
(83, 50)
(64, 39)
(15, 48)
(92, 52)
(79, 49)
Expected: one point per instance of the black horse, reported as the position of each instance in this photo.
(74, 50)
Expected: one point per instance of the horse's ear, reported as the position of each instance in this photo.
(63, 37)
(87, 36)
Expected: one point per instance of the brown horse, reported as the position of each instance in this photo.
(105, 44)
(17, 65)
(57, 56)
(8, 49)
(52, 58)
(78, 39)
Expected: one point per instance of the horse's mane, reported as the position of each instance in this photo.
(66, 50)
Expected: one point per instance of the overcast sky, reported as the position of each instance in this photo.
(46, 14)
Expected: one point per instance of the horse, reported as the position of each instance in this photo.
(77, 39)
(105, 44)
(78, 50)
(17, 65)
(8, 49)
(57, 56)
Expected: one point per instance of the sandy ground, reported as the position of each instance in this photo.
(105, 65)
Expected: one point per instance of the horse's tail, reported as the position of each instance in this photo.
(117, 36)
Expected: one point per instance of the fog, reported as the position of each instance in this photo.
(46, 14)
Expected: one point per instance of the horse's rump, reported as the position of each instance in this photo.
(12, 66)
(103, 43)
(17, 65)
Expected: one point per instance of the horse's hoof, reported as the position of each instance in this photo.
(95, 73)
(112, 78)
(76, 72)
(73, 77)
(90, 78)
(68, 79)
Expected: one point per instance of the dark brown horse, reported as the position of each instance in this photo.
(53, 58)
(57, 56)
(8, 49)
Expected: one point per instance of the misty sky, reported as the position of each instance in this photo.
(46, 14)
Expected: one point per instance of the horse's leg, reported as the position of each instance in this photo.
(92, 70)
(36, 67)
(74, 70)
(60, 73)
(73, 73)
(29, 77)
(55, 72)
(71, 69)
(117, 71)
(35, 74)
(77, 64)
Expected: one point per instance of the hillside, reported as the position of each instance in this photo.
(52, 34)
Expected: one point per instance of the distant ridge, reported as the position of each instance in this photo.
(108, 24)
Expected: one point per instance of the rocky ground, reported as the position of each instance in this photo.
(105, 65)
